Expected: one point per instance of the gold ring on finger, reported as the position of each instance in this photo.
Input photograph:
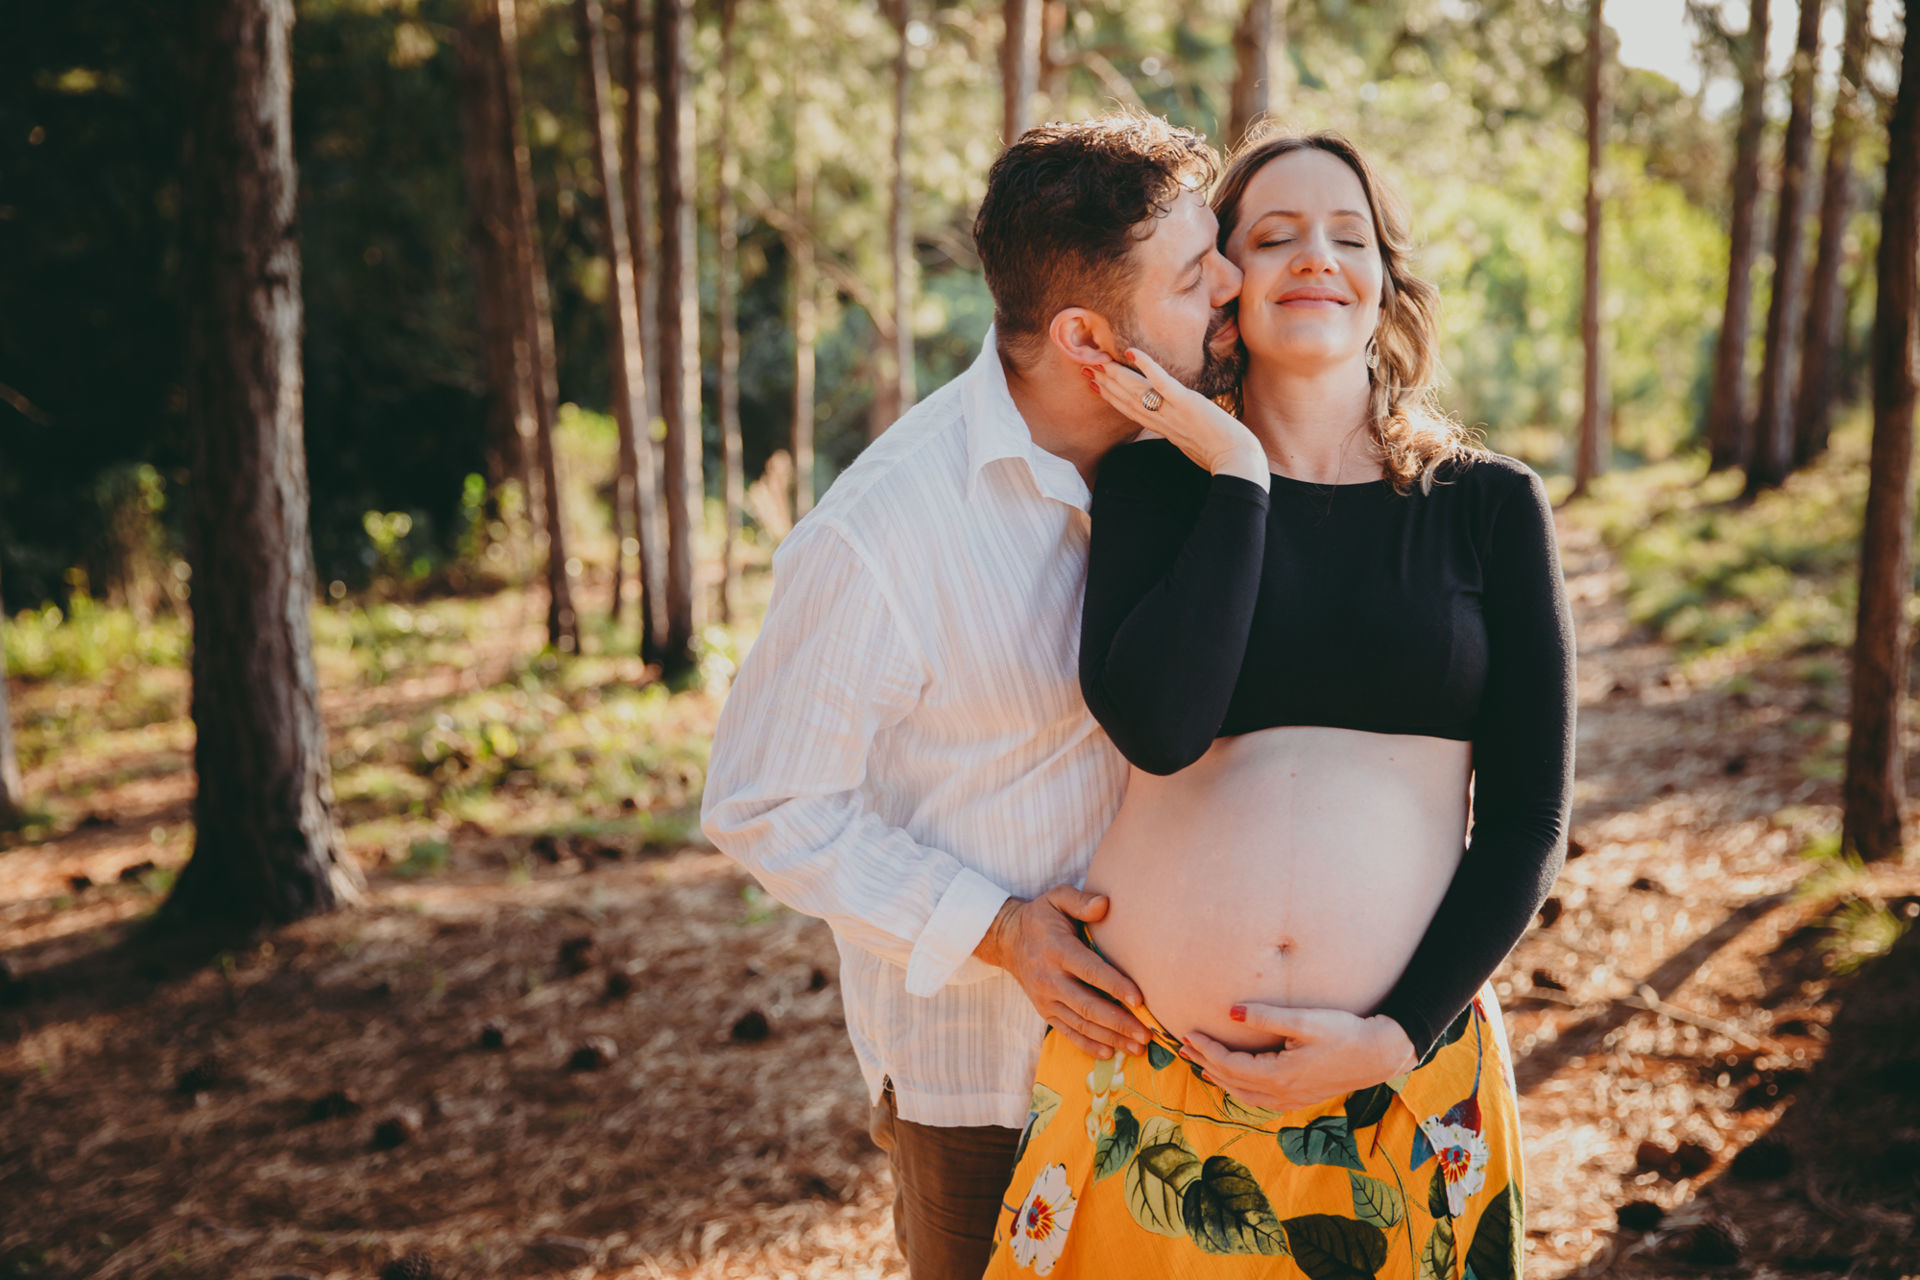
(1152, 400)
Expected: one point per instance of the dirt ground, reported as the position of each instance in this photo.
(594, 1057)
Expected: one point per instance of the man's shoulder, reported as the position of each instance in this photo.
(918, 466)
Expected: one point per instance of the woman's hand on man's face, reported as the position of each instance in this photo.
(1206, 433)
(1329, 1052)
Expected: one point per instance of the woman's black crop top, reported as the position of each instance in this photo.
(1216, 609)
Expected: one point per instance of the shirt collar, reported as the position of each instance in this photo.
(996, 432)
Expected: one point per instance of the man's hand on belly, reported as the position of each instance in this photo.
(1037, 943)
(1329, 1052)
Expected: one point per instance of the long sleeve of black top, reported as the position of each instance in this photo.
(1167, 611)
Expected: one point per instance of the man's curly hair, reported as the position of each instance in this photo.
(1064, 206)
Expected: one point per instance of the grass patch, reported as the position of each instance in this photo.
(424, 857)
(1860, 924)
(87, 640)
(1736, 583)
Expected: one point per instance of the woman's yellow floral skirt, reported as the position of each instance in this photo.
(1134, 1166)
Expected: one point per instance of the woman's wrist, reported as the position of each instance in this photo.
(1249, 463)
(1395, 1042)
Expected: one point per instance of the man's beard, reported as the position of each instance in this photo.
(1220, 369)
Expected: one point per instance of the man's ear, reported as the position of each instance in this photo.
(1083, 336)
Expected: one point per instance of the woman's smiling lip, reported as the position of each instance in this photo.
(1312, 296)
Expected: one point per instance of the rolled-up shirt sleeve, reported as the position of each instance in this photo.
(831, 672)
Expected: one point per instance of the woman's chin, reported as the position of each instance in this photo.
(1302, 353)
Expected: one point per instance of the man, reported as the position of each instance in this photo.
(906, 753)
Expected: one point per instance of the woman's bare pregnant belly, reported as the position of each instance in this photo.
(1296, 866)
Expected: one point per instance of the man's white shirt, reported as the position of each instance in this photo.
(906, 744)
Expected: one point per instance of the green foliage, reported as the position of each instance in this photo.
(1861, 925)
(1727, 582)
(88, 639)
(1471, 109)
(425, 857)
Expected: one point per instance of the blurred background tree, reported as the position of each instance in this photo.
(1474, 109)
(857, 137)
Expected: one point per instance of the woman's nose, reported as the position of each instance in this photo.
(1314, 254)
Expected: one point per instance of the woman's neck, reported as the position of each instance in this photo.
(1312, 423)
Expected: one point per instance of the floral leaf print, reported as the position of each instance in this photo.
(1366, 1106)
(1106, 1073)
(1226, 1212)
(1044, 1218)
(1106, 1076)
(1324, 1140)
(1436, 1260)
(1159, 1175)
(1158, 1055)
(1464, 1113)
(1377, 1202)
(1334, 1248)
(1259, 1117)
(1463, 1163)
(1495, 1252)
(1117, 1145)
(1045, 1103)
(1437, 1204)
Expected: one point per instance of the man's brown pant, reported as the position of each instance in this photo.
(948, 1182)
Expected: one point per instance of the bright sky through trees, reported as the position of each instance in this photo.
(1656, 36)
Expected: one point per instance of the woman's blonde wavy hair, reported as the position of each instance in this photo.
(1414, 435)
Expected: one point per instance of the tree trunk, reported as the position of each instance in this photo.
(679, 322)
(1592, 456)
(266, 849)
(485, 163)
(1826, 298)
(1729, 438)
(1019, 65)
(1053, 56)
(637, 172)
(1874, 789)
(536, 319)
(1786, 318)
(900, 235)
(805, 321)
(1257, 43)
(636, 481)
(726, 232)
(638, 162)
(12, 796)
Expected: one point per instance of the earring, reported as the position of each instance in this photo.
(1373, 352)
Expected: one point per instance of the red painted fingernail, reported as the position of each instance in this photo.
(1238, 1013)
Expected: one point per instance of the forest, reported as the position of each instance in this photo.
(401, 402)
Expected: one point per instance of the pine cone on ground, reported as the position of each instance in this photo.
(415, 1266)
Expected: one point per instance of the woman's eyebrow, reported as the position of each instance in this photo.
(1296, 215)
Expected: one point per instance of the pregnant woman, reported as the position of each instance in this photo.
(1332, 638)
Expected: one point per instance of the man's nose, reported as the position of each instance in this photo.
(1226, 280)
